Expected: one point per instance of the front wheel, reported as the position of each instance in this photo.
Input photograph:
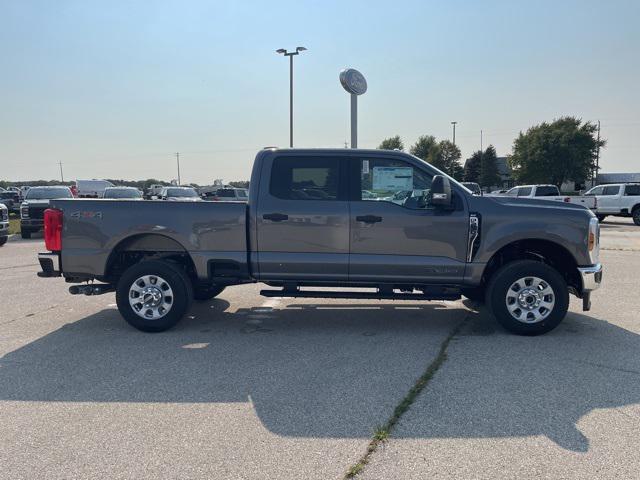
(3, 240)
(636, 216)
(528, 297)
(153, 296)
(601, 218)
(24, 233)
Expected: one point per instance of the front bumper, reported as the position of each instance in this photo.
(50, 264)
(591, 277)
(32, 222)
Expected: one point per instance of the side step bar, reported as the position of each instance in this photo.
(379, 295)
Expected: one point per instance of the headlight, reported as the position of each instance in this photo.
(593, 240)
(24, 211)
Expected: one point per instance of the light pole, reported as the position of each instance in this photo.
(291, 55)
(454, 132)
(178, 163)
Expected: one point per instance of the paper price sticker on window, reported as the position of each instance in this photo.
(365, 167)
(392, 178)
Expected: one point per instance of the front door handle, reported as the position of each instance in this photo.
(368, 218)
(275, 217)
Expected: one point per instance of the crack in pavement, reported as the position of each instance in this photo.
(382, 433)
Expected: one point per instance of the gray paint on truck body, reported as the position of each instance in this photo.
(321, 241)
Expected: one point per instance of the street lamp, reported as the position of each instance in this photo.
(291, 55)
(454, 132)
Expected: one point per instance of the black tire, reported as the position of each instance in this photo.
(601, 218)
(175, 278)
(26, 234)
(506, 276)
(3, 240)
(207, 292)
(636, 216)
(476, 294)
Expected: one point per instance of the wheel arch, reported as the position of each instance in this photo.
(545, 251)
(146, 246)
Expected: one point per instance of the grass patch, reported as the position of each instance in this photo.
(382, 433)
(14, 225)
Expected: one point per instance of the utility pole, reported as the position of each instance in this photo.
(481, 160)
(178, 162)
(291, 55)
(454, 132)
(61, 175)
(595, 176)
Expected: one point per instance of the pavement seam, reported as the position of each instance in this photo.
(383, 432)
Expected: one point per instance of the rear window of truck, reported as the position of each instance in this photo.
(549, 191)
(306, 178)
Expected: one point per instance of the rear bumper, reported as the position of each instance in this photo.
(50, 264)
(591, 277)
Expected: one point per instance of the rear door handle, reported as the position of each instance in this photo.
(275, 217)
(368, 218)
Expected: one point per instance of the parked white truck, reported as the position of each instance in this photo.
(618, 200)
(551, 192)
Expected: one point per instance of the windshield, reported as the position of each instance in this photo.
(48, 193)
(181, 192)
(122, 193)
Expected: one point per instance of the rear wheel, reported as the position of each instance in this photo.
(24, 233)
(528, 297)
(207, 292)
(601, 218)
(3, 240)
(636, 216)
(153, 296)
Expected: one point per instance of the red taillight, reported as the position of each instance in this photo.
(53, 229)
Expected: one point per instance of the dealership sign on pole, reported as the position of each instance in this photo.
(354, 83)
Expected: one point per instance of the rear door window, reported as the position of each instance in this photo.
(632, 190)
(547, 191)
(305, 178)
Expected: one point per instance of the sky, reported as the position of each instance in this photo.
(114, 89)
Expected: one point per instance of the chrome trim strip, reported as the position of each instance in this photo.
(474, 229)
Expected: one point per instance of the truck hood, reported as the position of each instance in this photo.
(533, 202)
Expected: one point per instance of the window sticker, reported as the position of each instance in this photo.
(392, 178)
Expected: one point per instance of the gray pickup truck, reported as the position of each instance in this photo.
(371, 224)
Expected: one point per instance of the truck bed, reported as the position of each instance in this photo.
(208, 231)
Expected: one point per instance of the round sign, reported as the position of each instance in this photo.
(353, 81)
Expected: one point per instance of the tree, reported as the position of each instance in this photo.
(422, 146)
(489, 174)
(472, 167)
(240, 184)
(392, 143)
(445, 156)
(555, 152)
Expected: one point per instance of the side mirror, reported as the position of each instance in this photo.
(440, 192)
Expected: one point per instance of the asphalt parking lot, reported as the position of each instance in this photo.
(254, 388)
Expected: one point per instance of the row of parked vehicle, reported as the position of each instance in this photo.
(616, 200)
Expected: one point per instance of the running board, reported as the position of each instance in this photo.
(360, 295)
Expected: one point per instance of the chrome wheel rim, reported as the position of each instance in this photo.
(150, 297)
(530, 300)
